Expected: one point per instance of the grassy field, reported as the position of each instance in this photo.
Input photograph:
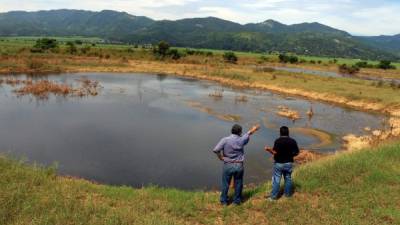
(30, 40)
(324, 60)
(349, 188)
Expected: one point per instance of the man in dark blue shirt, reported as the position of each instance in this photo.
(285, 148)
(230, 150)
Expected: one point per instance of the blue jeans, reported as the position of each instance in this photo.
(236, 171)
(285, 170)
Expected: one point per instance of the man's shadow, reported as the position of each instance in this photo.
(250, 192)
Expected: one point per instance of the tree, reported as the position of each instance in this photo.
(386, 65)
(44, 44)
(230, 57)
(283, 58)
(161, 49)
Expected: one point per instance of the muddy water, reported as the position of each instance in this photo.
(154, 129)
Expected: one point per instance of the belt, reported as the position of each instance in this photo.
(241, 162)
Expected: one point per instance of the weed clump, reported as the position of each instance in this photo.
(351, 70)
(42, 89)
(230, 57)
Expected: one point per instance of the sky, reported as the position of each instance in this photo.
(367, 17)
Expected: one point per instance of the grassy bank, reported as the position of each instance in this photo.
(349, 188)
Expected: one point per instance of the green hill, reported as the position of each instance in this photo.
(304, 38)
(387, 43)
(105, 24)
(349, 188)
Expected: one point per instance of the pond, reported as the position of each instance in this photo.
(144, 129)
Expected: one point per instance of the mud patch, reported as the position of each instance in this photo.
(306, 156)
(288, 113)
(324, 138)
(221, 116)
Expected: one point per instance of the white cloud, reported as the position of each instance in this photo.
(221, 12)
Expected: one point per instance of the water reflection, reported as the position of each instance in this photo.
(140, 129)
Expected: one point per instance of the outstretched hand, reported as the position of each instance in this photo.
(254, 129)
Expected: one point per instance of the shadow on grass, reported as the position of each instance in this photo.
(296, 187)
(249, 193)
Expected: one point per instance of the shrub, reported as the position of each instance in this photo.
(174, 54)
(209, 53)
(386, 65)
(264, 58)
(85, 49)
(197, 52)
(44, 44)
(345, 69)
(161, 49)
(71, 48)
(230, 57)
(364, 64)
(288, 58)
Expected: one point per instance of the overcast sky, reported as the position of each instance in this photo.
(367, 17)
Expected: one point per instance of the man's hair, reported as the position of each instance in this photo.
(284, 131)
(236, 129)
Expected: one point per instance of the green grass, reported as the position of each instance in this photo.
(28, 41)
(349, 188)
(62, 39)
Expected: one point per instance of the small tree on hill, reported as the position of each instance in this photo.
(230, 57)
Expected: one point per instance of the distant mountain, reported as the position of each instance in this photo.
(304, 38)
(388, 43)
(106, 24)
(272, 26)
